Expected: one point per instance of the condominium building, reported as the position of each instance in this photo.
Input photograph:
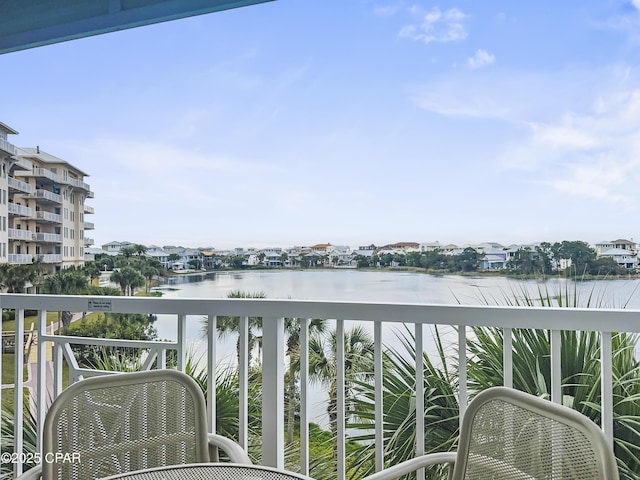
(42, 207)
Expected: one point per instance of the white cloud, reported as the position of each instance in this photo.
(636, 3)
(436, 26)
(482, 58)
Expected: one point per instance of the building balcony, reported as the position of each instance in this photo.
(18, 234)
(79, 184)
(43, 174)
(88, 241)
(89, 226)
(90, 194)
(88, 209)
(49, 258)
(383, 320)
(7, 147)
(48, 217)
(16, 185)
(19, 210)
(19, 258)
(47, 197)
(47, 237)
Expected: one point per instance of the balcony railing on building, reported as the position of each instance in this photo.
(18, 185)
(89, 226)
(48, 217)
(19, 258)
(7, 147)
(79, 184)
(88, 209)
(19, 210)
(88, 241)
(18, 234)
(379, 318)
(46, 196)
(42, 173)
(49, 258)
(48, 237)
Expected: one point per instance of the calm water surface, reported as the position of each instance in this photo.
(371, 286)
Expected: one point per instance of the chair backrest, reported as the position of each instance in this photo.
(119, 423)
(512, 435)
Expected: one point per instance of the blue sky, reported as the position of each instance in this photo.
(348, 121)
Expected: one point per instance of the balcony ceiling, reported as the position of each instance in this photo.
(32, 23)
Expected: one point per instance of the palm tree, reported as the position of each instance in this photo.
(358, 367)
(441, 409)
(70, 281)
(128, 278)
(231, 325)
(292, 328)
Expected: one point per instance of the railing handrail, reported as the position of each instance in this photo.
(559, 318)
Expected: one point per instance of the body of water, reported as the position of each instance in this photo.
(372, 286)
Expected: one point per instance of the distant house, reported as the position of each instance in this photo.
(405, 246)
(619, 244)
(320, 247)
(624, 257)
(494, 261)
(429, 246)
(112, 247)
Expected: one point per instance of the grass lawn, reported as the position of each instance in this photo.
(8, 366)
(10, 325)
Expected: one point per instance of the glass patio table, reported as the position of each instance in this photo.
(209, 471)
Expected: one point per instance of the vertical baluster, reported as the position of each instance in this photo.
(419, 396)
(606, 376)
(556, 366)
(211, 373)
(273, 392)
(304, 396)
(42, 376)
(462, 370)
(507, 357)
(340, 386)
(182, 342)
(378, 392)
(18, 406)
(243, 382)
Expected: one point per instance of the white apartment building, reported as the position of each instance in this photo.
(42, 207)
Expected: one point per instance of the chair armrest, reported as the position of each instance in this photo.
(414, 464)
(235, 452)
(32, 474)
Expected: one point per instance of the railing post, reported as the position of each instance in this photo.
(182, 342)
(18, 405)
(243, 383)
(273, 392)
(556, 366)
(507, 357)
(211, 373)
(340, 400)
(378, 386)
(462, 371)
(606, 385)
(304, 396)
(42, 376)
(419, 396)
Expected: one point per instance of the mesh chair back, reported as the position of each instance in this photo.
(508, 434)
(125, 422)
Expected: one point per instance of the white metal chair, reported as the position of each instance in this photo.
(510, 435)
(119, 423)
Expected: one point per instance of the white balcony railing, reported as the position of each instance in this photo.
(18, 234)
(47, 195)
(48, 216)
(48, 237)
(50, 258)
(21, 210)
(7, 147)
(273, 314)
(89, 226)
(88, 209)
(88, 241)
(43, 173)
(19, 185)
(19, 258)
(79, 184)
